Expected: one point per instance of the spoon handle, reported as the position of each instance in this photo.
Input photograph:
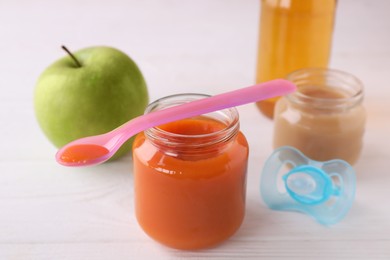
(234, 98)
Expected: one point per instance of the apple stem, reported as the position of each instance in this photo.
(72, 56)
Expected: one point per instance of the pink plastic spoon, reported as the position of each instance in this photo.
(97, 149)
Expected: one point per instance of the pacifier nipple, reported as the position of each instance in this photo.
(308, 185)
(300, 184)
(324, 190)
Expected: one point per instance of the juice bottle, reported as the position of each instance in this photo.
(294, 34)
(190, 178)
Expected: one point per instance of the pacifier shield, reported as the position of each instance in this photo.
(323, 190)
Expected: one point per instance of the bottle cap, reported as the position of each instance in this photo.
(324, 190)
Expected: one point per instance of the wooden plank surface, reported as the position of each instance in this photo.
(51, 212)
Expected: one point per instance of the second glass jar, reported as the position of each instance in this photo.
(324, 118)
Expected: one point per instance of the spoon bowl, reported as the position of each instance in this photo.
(99, 148)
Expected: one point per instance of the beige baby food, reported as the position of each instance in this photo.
(325, 118)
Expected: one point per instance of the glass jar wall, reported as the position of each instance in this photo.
(190, 177)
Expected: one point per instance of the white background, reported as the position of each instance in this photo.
(208, 46)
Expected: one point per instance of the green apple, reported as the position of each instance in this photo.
(87, 93)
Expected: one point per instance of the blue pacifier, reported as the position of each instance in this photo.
(324, 190)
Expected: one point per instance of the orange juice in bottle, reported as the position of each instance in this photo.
(294, 34)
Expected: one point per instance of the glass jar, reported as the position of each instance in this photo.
(324, 118)
(190, 177)
(294, 34)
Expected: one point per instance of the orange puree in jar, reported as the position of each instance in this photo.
(190, 181)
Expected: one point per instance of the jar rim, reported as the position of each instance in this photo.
(229, 117)
(331, 78)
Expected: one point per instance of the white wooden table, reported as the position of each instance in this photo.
(208, 46)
